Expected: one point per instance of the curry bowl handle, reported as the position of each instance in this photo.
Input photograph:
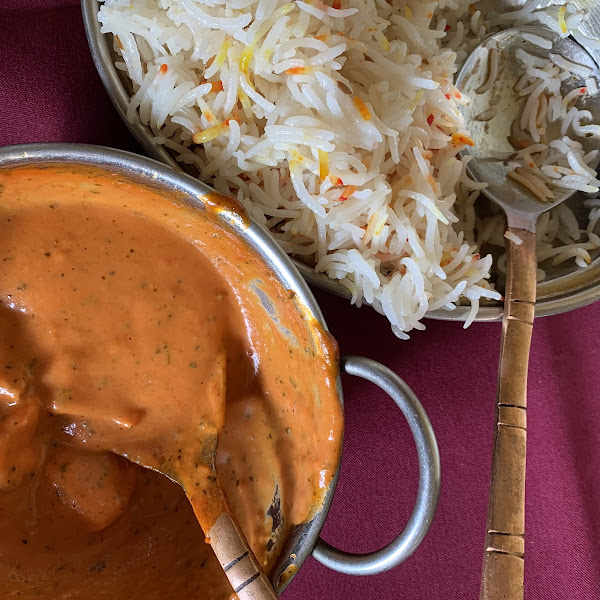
(428, 492)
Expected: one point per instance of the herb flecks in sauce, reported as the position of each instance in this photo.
(132, 321)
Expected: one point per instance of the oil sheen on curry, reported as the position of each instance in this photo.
(126, 317)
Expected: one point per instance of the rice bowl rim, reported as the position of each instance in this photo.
(561, 294)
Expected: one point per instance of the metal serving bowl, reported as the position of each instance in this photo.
(566, 286)
(305, 539)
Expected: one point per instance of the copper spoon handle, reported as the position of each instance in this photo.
(237, 560)
(503, 564)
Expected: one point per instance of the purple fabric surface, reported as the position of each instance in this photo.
(49, 91)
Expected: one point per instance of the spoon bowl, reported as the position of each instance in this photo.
(493, 155)
(192, 466)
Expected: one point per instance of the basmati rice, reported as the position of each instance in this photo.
(338, 127)
(538, 40)
(515, 239)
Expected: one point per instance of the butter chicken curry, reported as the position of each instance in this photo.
(126, 319)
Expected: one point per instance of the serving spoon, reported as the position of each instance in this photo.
(201, 486)
(196, 474)
(503, 564)
(187, 457)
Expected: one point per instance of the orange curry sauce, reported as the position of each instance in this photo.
(121, 309)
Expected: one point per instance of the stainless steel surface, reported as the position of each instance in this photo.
(521, 206)
(566, 287)
(152, 173)
(590, 27)
(429, 478)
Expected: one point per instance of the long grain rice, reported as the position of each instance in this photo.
(338, 127)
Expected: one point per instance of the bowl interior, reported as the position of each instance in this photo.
(565, 287)
(149, 173)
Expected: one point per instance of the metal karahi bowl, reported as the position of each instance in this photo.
(566, 286)
(304, 539)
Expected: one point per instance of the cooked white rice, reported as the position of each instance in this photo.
(336, 126)
(509, 235)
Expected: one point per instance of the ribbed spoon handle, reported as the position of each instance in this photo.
(239, 563)
(503, 564)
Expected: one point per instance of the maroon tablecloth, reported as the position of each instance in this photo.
(49, 91)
